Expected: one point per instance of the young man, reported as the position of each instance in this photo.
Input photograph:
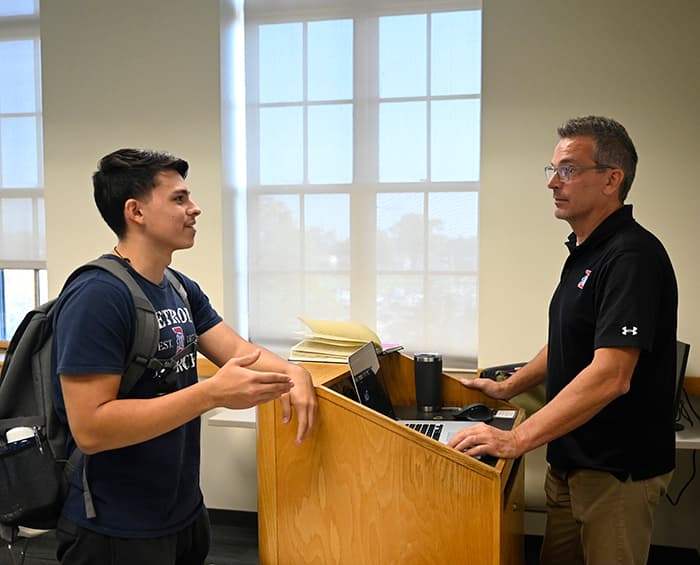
(609, 363)
(144, 450)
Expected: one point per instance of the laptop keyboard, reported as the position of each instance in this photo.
(427, 429)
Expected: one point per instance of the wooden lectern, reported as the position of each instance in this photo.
(364, 489)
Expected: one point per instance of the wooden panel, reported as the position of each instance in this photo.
(340, 500)
(692, 386)
(266, 451)
(401, 387)
(205, 368)
(363, 488)
(514, 517)
(326, 373)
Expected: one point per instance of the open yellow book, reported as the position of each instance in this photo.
(333, 341)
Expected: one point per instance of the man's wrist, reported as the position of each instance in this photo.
(507, 389)
(297, 372)
(521, 440)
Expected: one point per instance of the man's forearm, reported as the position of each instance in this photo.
(605, 379)
(529, 376)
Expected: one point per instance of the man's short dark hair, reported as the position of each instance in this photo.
(129, 173)
(612, 145)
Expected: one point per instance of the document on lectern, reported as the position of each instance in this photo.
(333, 341)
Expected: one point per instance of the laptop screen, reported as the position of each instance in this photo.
(364, 370)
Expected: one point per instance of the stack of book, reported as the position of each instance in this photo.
(332, 341)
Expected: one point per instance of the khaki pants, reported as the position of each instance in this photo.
(595, 519)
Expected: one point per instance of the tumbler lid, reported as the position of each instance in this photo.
(427, 357)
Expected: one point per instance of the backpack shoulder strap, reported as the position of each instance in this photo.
(164, 367)
(175, 280)
(146, 332)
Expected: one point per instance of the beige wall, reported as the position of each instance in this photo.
(546, 61)
(147, 74)
(125, 74)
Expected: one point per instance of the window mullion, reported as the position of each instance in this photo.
(429, 176)
(305, 102)
(363, 275)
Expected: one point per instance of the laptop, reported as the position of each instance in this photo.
(364, 371)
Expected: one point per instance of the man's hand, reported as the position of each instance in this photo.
(489, 387)
(303, 398)
(237, 386)
(481, 439)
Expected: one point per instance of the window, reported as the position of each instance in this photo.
(22, 237)
(363, 175)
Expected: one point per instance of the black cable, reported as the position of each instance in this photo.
(685, 486)
(690, 404)
(683, 414)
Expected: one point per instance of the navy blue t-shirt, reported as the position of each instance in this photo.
(152, 488)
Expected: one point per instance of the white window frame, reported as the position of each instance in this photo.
(365, 186)
(18, 28)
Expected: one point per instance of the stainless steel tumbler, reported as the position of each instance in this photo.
(428, 376)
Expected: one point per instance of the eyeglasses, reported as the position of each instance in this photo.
(566, 172)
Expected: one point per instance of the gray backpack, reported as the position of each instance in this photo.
(34, 467)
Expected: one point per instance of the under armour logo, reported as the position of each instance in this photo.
(629, 331)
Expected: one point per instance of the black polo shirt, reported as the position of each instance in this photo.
(617, 289)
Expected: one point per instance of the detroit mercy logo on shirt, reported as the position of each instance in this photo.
(179, 338)
(584, 278)
(175, 320)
